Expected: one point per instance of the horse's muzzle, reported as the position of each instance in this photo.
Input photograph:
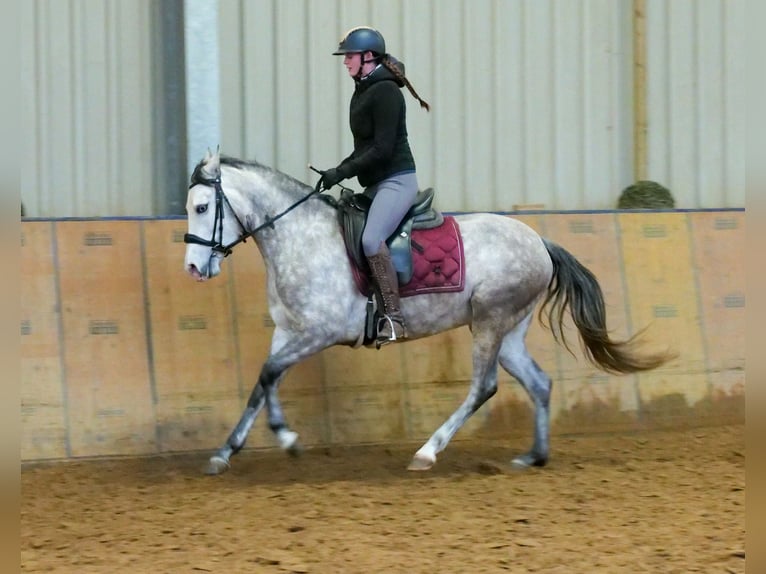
(195, 273)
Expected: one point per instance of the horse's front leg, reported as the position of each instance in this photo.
(287, 350)
(287, 438)
(219, 462)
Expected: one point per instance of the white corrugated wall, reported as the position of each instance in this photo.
(696, 100)
(532, 99)
(86, 108)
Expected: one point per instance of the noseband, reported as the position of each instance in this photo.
(220, 199)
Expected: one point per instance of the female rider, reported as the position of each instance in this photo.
(381, 161)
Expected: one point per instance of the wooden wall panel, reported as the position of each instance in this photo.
(371, 414)
(105, 338)
(662, 295)
(591, 398)
(718, 240)
(43, 402)
(364, 390)
(123, 353)
(193, 346)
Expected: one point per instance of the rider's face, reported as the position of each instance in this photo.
(353, 63)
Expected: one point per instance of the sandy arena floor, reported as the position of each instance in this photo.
(660, 502)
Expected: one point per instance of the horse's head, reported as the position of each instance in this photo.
(210, 222)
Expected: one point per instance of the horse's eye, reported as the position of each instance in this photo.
(202, 208)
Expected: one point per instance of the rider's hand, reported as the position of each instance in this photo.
(332, 177)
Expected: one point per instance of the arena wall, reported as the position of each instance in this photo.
(123, 354)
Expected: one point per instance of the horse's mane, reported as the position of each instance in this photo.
(281, 179)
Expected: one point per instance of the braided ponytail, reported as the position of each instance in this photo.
(394, 69)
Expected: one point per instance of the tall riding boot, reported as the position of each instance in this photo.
(391, 326)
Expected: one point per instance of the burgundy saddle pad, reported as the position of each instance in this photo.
(438, 262)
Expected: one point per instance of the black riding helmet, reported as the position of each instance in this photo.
(361, 39)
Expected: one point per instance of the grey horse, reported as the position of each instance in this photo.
(315, 304)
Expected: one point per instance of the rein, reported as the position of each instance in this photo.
(220, 198)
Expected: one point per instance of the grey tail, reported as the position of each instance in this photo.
(575, 288)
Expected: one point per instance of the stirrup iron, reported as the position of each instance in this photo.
(392, 323)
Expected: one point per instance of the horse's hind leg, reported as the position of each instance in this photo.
(515, 359)
(483, 386)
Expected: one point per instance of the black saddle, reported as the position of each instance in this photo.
(352, 216)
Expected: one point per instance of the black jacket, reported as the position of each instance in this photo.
(378, 121)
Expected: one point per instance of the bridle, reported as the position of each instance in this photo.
(221, 199)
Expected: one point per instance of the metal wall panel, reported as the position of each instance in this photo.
(531, 99)
(86, 113)
(696, 105)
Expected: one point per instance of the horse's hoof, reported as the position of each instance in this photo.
(288, 441)
(295, 450)
(421, 462)
(216, 465)
(519, 463)
(526, 461)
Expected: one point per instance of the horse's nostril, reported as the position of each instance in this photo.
(193, 271)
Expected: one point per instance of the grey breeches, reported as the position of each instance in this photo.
(392, 198)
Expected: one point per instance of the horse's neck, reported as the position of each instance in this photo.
(296, 237)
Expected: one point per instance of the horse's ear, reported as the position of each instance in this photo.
(212, 163)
